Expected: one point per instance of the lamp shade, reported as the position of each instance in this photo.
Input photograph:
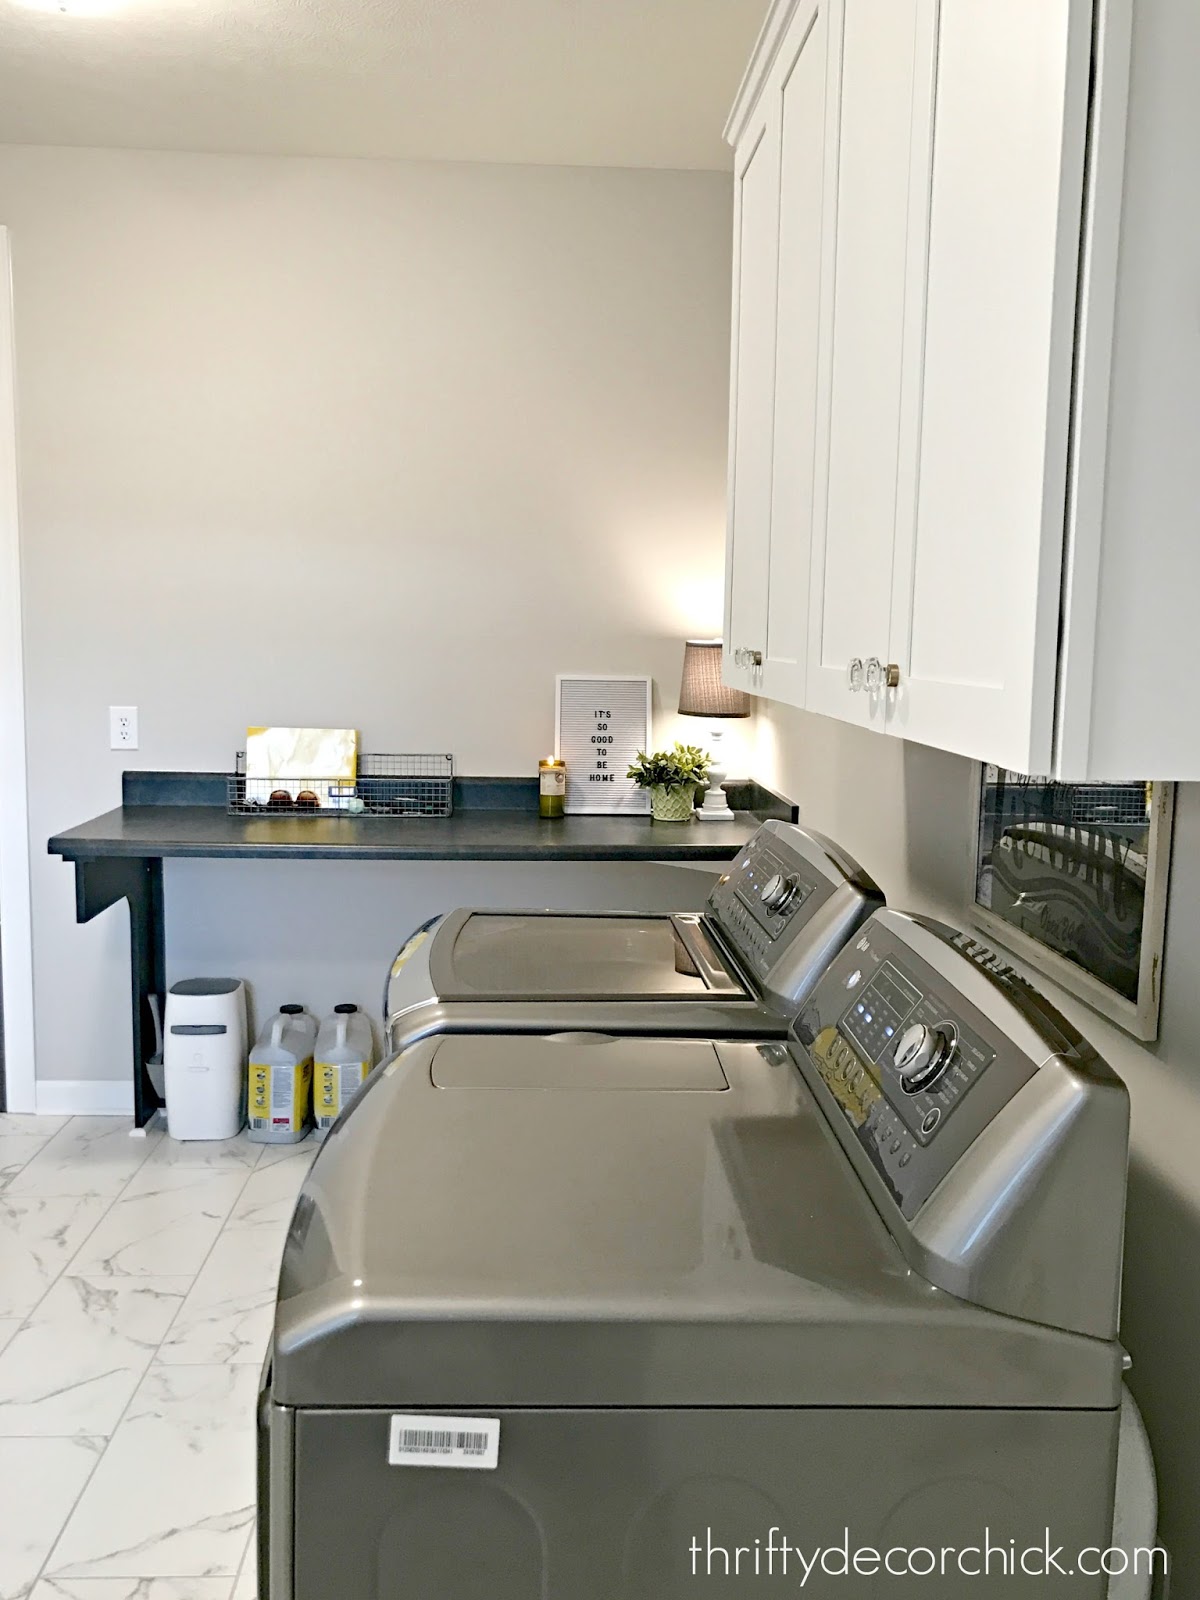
(702, 694)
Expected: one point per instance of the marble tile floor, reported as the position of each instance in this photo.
(137, 1277)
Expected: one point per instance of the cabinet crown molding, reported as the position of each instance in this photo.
(762, 60)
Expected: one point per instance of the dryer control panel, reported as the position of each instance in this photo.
(992, 1139)
(775, 889)
(915, 1067)
(901, 1056)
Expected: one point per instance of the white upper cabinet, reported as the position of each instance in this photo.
(780, 185)
(878, 160)
(806, 80)
(962, 507)
(752, 398)
(978, 583)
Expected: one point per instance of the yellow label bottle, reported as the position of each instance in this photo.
(345, 1054)
(281, 1072)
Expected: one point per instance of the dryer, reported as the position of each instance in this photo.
(579, 1319)
(789, 901)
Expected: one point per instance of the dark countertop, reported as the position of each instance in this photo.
(472, 835)
(168, 814)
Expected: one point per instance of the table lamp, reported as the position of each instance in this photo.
(702, 694)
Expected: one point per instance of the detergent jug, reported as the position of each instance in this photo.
(281, 1065)
(345, 1055)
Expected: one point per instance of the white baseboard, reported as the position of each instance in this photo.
(85, 1097)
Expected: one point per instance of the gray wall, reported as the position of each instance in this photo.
(341, 442)
(905, 812)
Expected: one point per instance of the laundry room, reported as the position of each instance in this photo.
(599, 827)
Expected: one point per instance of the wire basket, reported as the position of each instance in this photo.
(1091, 805)
(1101, 805)
(386, 786)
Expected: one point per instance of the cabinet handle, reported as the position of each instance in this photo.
(893, 675)
(874, 678)
(854, 675)
(756, 657)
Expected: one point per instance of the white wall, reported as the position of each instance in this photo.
(344, 442)
(905, 812)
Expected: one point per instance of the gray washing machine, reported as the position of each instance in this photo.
(571, 1319)
(789, 901)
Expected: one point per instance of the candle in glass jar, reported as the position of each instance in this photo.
(552, 786)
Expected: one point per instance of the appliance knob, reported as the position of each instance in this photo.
(791, 888)
(922, 1055)
(775, 891)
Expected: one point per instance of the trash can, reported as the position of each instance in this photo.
(205, 1058)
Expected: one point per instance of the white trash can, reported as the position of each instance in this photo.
(205, 1058)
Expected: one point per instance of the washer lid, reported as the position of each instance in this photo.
(531, 955)
(632, 1243)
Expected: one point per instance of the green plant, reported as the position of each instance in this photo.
(684, 767)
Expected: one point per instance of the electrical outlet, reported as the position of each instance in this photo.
(122, 728)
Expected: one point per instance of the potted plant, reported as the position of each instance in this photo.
(672, 777)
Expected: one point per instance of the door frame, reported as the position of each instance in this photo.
(16, 914)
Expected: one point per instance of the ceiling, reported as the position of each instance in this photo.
(641, 83)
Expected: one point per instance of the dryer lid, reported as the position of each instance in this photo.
(662, 1242)
(572, 1063)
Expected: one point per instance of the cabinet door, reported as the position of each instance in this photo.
(979, 566)
(752, 395)
(800, 88)
(876, 53)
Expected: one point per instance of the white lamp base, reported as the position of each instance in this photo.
(715, 807)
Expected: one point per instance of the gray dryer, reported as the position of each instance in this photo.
(567, 1318)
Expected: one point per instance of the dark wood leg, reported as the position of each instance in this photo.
(138, 880)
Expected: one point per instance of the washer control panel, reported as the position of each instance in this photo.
(790, 899)
(770, 893)
(773, 889)
(911, 1067)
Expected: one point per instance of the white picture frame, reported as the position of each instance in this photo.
(1137, 1015)
(601, 721)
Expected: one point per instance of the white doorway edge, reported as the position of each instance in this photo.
(85, 1097)
(16, 916)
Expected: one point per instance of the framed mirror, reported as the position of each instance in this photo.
(1073, 878)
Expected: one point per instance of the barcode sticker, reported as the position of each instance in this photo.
(436, 1441)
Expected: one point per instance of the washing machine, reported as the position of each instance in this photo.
(610, 1318)
(789, 901)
